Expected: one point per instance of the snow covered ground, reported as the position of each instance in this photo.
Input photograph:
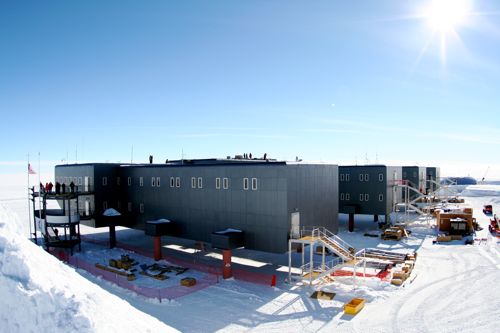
(453, 290)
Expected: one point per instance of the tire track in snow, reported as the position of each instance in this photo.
(446, 286)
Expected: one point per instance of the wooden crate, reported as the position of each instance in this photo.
(188, 282)
(400, 275)
(443, 239)
(444, 223)
(324, 295)
(397, 282)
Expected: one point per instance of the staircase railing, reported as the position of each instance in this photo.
(343, 245)
(322, 268)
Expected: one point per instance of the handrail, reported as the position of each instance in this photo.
(322, 232)
(336, 239)
(320, 267)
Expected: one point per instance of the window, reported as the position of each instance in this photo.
(153, 181)
(361, 197)
(104, 205)
(366, 177)
(380, 177)
(245, 183)
(360, 177)
(129, 181)
(347, 177)
(172, 182)
(380, 197)
(193, 182)
(117, 180)
(141, 208)
(157, 181)
(75, 180)
(341, 177)
(177, 181)
(342, 197)
(141, 181)
(367, 197)
(104, 181)
(217, 183)
(200, 182)
(129, 206)
(65, 180)
(80, 181)
(254, 184)
(225, 183)
(347, 196)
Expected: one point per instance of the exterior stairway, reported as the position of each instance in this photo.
(313, 272)
(410, 191)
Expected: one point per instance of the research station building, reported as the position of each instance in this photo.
(269, 200)
(368, 189)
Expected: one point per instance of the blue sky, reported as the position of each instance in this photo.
(332, 81)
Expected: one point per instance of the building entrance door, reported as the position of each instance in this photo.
(295, 225)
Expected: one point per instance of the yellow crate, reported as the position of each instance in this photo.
(354, 306)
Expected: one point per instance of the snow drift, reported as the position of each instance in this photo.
(40, 294)
(481, 191)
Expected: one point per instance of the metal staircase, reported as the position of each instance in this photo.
(315, 272)
(410, 205)
(334, 243)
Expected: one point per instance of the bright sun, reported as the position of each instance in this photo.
(445, 15)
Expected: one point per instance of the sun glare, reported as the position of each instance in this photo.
(445, 15)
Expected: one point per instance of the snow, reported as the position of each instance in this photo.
(481, 191)
(452, 288)
(111, 212)
(160, 221)
(228, 230)
(40, 294)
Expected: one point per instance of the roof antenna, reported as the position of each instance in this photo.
(132, 155)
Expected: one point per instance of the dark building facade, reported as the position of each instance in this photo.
(368, 189)
(261, 197)
(433, 176)
(416, 178)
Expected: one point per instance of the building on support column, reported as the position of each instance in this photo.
(368, 189)
(267, 199)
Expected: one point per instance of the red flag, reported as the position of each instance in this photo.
(30, 170)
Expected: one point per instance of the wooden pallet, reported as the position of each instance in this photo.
(129, 276)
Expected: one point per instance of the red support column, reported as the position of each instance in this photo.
(351, 222)
(157, 247)
(273, 281)
(227, 271)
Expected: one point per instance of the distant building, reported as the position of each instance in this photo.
(368, 189)
(269, 200)
(415, 177)
(433, 176)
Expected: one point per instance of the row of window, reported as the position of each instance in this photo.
(67, 180)
(363, 177)
(196, 182)
(362, 197)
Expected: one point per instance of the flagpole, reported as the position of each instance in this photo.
(29, 202)
(40, 190)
